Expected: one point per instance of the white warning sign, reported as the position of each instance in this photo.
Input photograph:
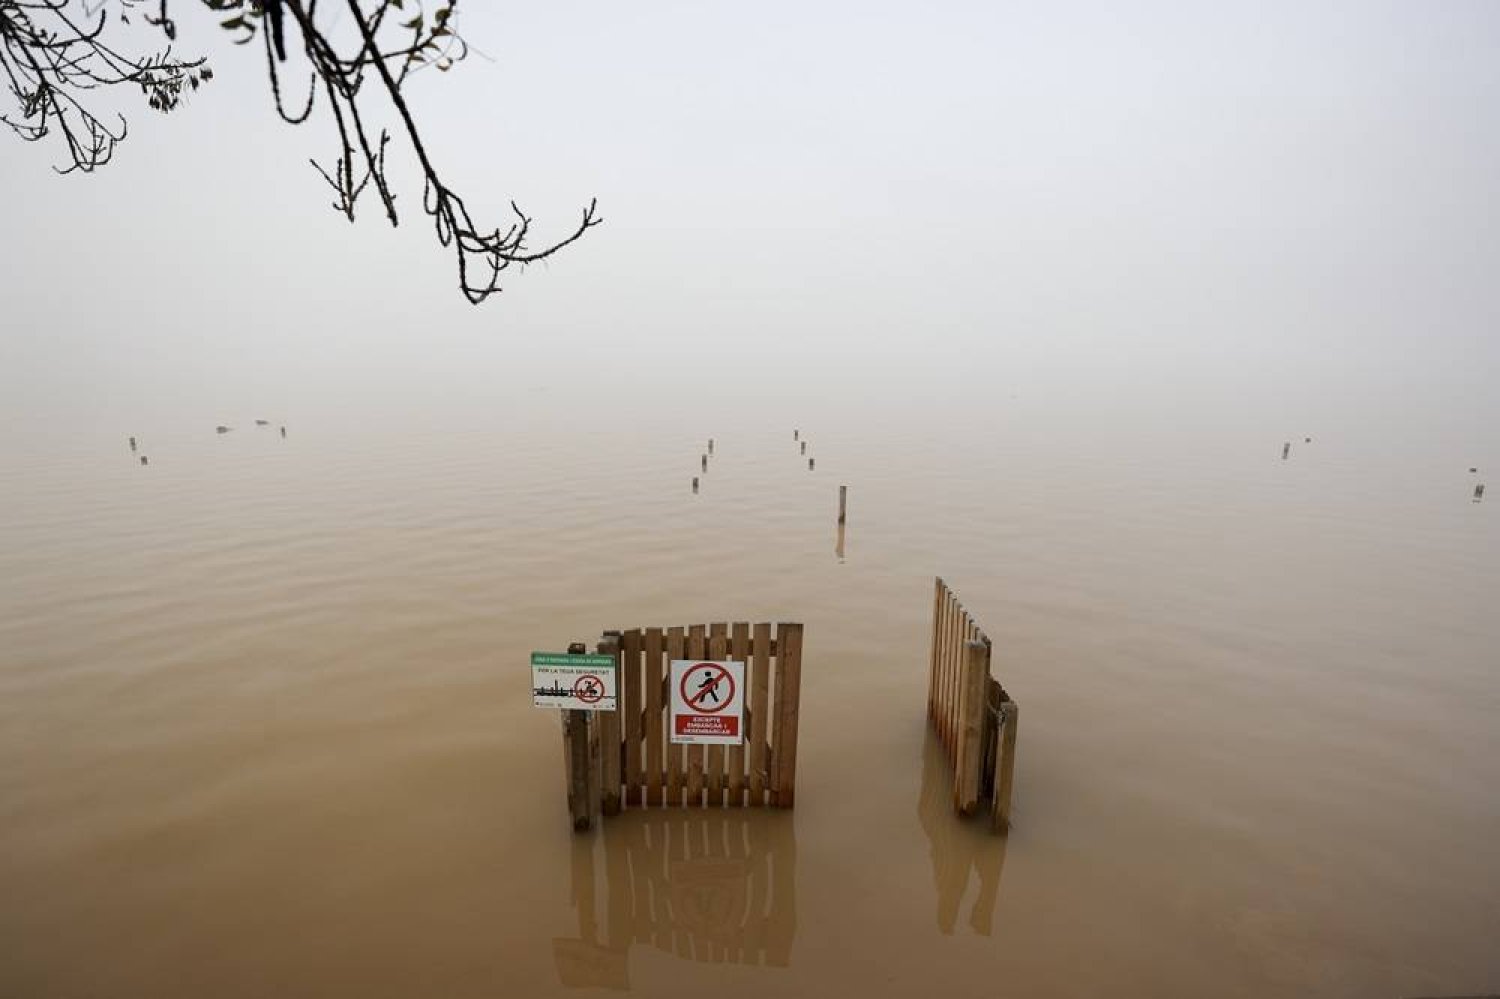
(708, 702)
(576, 682)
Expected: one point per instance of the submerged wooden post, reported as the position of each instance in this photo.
(1005, 766)
(710, 445)
(1478, 492)
(1286, 449)
(811, 462)
(843, 502)
(804, 447)
(610, 771)
(582, 790)
(788, 710)
(971, 698)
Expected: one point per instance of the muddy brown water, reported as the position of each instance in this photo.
(265, 725)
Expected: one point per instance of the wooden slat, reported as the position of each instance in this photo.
(696, 647)
(760, 716)
(788, 707)
(739, 651)
(655, 713)
(971, 731)
(576, 762)
(718, 651)
(609, 739)
(676, 649)
(631, 706)
(1006, 767)
(937, 604)
(950, 712)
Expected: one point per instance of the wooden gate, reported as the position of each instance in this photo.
(972, 714)
(625, 759)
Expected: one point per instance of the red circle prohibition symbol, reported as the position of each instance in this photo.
(588, 688)
(714, 677)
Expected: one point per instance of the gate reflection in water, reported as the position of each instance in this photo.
(719, 887)
(959, 846)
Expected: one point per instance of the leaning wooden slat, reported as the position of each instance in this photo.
(955, 653)
(696, 648)
(788, 708)
(937, 604)
(760, 715)
(950, 642)
(940, 651)
(1007, 766)
(718, 651)
(631, 706)
(676, 649)
(971, 732)
(739, 651)
(609, 739)
(655, 712)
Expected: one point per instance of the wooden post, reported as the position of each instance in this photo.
(633, 709)
(710, 445)
(676, 754)
(583, 786)
(804, 447)
(976, 665)
(843, 502)
(788, 708)
(760, 716)
(610, 768)
(718, 651)
(1005, 766)
(739, 650)
(810, 463)
(655, 719)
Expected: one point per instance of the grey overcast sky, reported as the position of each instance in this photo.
(1289, 205)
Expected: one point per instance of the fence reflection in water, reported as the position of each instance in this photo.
(957, 847)
(718, 887)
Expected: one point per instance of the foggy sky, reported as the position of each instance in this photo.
(1284, 207)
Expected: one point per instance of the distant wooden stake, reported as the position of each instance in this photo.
(695, 483)
(1478, 490)
(705, 461)
(1286, 449)
(710, 445)
(804, 447)
(146, 461)
(795, 433)
(843, 502)
(810, 463)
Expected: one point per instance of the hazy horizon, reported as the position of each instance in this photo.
(1272, 211)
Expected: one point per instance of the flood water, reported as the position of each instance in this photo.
(266, 728)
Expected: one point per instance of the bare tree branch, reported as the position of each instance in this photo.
(52, 55)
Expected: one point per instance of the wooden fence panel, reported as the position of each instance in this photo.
(971, 714)
(655, 712)
(697, 648)
(634, 709)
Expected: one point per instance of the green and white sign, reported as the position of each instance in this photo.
(572, 682)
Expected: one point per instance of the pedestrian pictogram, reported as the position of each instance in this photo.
(708, 703)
